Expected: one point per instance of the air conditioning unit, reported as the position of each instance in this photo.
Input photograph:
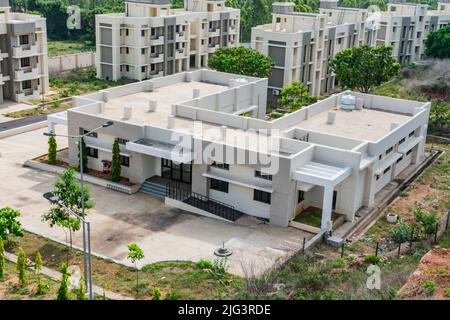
(276, 92)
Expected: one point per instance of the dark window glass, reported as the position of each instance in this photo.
(24, 39)
(301, 196)
(223, 166)
(92, 134)
(26, 84)
(411, 133)
(261, 196)
(386, 170)
(401, 141)
(123, 141)
(261, 175)
(219, 185)
(389, 150)
(92, 152)
(125, 161)
(409, 152)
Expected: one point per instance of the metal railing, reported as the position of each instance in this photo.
(218, 208)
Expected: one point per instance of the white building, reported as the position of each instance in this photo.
(23, 55)
(199, 139)
(302, 44)
(150, 39)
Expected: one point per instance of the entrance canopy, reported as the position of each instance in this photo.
(161, 150)
(317, 173)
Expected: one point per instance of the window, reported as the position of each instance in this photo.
(400, 159)
(386, 170)
(218, 185)
(122, 141)
(92, 152)
(261, 175)
(127, 50)
(92, 134)
(127, 32)
(380, 157)
(24, 39)
(409, 152)
(127, 68)
(26, 84)
(411, 134)
(25, 62)
(143, 69)
(301, 196)
(124, 161)
(142, 33)
(377, 177)
(143, 51)
(402, 140)
(394, 29)
(261, 196)
(389, 150)
(223, 166)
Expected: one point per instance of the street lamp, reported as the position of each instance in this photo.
(49, 197)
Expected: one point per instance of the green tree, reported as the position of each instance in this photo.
(439, 116)
(21, 267)
(37, 269)
(364, 67)
(241, 60)
(115, 163)
(52, 150)
(135, 254)
(427, 221)
(2, 259)
(302, 6)
(81, 291)
(437, 43)
(84, 161)
(295, 96)
(69, 193)
(63, 290)
(9, 224)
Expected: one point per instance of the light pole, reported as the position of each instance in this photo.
(87, 277)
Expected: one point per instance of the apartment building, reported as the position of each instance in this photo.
(405, 26)
(302, 44)
(199, 139)
(23, 55)
(151, 40)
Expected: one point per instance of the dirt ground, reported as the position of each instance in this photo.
(435, 268)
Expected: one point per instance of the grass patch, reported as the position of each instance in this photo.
(55, 107)
(175, 279)
(313, 217)
(57, 48)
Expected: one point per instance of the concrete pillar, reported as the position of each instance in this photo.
(327, 208)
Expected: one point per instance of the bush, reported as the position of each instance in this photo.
(427, 221)
(204, 264)
(429, 286)
(156, 295)
(447, 292)
(56, 104)
(174, 295)
(276, 114)
(401, 232)
(372, 259)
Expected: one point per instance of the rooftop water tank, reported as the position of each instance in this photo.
(348, 102)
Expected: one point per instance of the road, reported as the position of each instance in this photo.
(21, 122)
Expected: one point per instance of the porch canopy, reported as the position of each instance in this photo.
(161, 150)
(319, 174)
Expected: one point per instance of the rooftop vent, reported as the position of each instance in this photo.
(195, 93)
(170, 122)
(331, 117)
(152, 104)
(348, 102)
(127, 113)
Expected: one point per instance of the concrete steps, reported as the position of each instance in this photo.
(153, 189)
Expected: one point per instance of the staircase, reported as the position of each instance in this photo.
(153, 189)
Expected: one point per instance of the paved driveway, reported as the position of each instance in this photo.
(118, 219)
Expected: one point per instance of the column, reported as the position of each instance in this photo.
(327, 208)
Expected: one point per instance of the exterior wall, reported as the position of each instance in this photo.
(151, 40)
(24, 61)
(71, 61)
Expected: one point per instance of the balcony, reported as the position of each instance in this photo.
(180, 37)
(179, 54)
(156, 73)
(24, 51)
(214, 32)
(156, 40)
(27, 94)
(212, 47)
(156, 57)
(26, 74)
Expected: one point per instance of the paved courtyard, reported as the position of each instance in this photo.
(118, 219)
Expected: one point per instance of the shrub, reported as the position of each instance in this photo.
(401, 232)
(427, 221)
(447, 292)
(174, 295)
(2, 259)
(22, 267)
(63, 290)
(56, 104)
(204, 264)
(276, 114)
(156, 295)
(371, 258)
(429, 286)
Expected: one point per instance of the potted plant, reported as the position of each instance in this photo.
(391, 217)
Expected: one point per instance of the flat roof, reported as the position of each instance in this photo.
(366, 124)
(164, 96)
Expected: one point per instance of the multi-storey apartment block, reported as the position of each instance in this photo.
(198, 139)
(405, 26)
(302, 44)
(150, 39)
(23, 55)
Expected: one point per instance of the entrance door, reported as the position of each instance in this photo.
(181, 172)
